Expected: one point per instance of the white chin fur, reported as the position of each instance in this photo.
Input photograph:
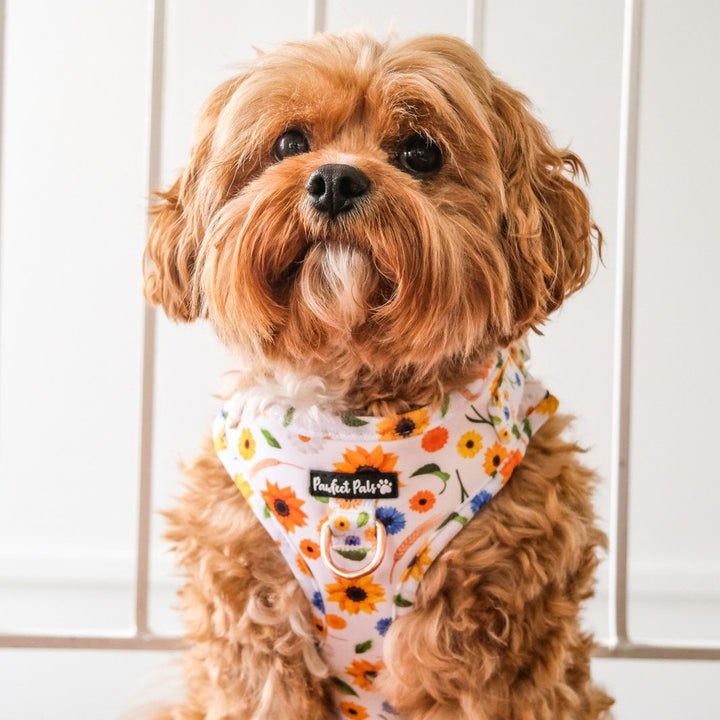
(336, 284)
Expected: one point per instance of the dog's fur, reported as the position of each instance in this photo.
(382, 310)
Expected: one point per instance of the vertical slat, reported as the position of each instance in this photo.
(2, 143)
(316, 16)
(157, 51)
(622, 384)
(475, 24)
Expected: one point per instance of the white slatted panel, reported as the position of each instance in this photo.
(72, 226)
(403, 17)
(675, 491)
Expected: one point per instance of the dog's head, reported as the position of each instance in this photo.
(377, 206)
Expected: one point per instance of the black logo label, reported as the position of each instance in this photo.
(353, 486)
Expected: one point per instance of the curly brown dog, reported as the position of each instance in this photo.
(373, 229)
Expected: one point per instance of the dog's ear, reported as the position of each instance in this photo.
(178, 224)
(546, 226)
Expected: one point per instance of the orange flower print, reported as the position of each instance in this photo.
(422, 501)
(360, 460)
(403, 426)
(548, 405)
(303, 565)
(353, 710)
(494, 457)
(319, 626)
(348, 504)
(336, 622)
(513, 460)
(363, 673)
(285, 506)
(310, 549)
(435, 439)
(485, 369)
(354, 596)
(470, 444)
(246, 444)
(418, 566)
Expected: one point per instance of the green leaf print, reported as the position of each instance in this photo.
(527, 427)
(432, 469)
(287, 418)
(463, 492)
(479, 417)
(453, 516)
(362, 519)
(444, 406)
(354, 554)
(266, 511)
(353, 421)
(363, 647)
(271, 441)
(516, 431)
(343, 686)
(400, 601)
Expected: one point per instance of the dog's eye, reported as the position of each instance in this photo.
(420, 156)
(292, 142)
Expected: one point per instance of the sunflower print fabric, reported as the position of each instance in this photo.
(448, 461)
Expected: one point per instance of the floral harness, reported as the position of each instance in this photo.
(362, 508)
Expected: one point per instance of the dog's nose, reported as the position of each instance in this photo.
(334, 189)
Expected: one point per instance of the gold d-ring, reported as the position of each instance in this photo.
(372, 566)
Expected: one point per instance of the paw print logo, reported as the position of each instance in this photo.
(384, 486)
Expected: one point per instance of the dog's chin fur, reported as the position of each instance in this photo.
(380, 310)
(339, 286)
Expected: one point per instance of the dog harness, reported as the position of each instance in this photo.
(361, 506)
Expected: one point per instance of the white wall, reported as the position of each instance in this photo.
(72, 228)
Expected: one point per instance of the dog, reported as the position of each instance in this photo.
(374, 229)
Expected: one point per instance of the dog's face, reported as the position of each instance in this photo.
(367, 205)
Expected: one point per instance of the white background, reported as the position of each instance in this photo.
(72, 229)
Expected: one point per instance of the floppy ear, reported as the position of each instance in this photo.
(546, 225)
(178, 225)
